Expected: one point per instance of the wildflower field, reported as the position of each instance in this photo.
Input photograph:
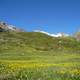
(40, 66)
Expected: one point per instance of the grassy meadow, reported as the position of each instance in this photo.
(35, 56)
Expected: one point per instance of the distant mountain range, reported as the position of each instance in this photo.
(6, 27)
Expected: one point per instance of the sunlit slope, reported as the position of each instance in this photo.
(35, 41)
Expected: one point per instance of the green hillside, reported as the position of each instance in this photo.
(37, 56)
(36, 41)
(27, 45)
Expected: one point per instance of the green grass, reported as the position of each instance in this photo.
(36, 56)
(40, 66)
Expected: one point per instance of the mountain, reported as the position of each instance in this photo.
(12, 39)
(4, 27)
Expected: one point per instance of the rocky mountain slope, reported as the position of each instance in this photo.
(4, 27)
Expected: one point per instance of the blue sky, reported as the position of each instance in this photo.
(49, 15)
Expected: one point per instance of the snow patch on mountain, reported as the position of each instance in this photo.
(53, 35)
(11, 27)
